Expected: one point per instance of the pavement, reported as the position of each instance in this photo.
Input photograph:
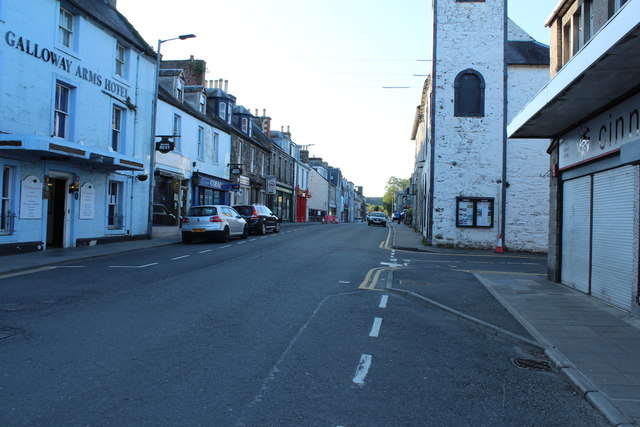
(594, 345)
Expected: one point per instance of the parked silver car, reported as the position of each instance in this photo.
(213, 222)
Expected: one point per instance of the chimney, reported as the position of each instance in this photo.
(304, 156)
(288, 133)
(226, 86)
(220, 83)
(256, 112)
(191, 57)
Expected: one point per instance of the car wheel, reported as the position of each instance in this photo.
(245, 232)
(262, 228)
(225, 235)
(369, 224)
(276, 229)
(186, 239)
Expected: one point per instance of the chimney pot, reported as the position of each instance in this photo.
(226, 85)
(191, 57)
(264, 112)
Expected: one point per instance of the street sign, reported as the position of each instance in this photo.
(165, 145)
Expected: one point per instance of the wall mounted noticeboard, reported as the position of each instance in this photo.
(474, 212)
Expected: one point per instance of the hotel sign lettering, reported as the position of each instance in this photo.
(49, 56)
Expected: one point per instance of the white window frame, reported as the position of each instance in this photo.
(66, 34)
(222, 110)
(200, 143)
(6, 200)
(121, 60)
(117, 127)
(216, 142)
(115, 220)
(180, 90)
(203, 103)
(62, 113)
(177, 129)
(245, 124)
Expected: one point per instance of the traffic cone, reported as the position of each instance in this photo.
(499, 246)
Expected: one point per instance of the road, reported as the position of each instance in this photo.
(288, 329)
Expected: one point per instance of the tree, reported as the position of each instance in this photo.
(393, 187)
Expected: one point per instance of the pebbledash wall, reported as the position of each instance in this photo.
(467, 154)
(72, 184)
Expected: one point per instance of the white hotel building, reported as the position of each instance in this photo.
(76, 96)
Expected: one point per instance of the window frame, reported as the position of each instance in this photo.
(59, 112)
(117, 132)
(216, 142)
(203, 103)
(200, 143)
(121, 60)
(222, 110)
(177, 129)
(7, 211)
(458, 110)
(180, 90)
(244, 124)
(114, 218)
(65, 15)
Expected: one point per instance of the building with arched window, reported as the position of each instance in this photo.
(467, 188)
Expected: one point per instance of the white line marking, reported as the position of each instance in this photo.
(225, 246)
(133, 266)
(253, 240)
(375, 329)
(241, 243)
(180, 257)
(362, 369)
(70, 266)
(393, 259)
(344, 282)
(20, 273)
(383, 301)
(205, 251)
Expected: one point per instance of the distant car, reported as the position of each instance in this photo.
(259, 218)
(377, 218)
(213, 222)
(331, 219)
(357, 220)
(163, 216)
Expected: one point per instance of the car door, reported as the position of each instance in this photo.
(271, 218)
(235, 223)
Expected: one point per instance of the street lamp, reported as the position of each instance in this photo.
(154, 116)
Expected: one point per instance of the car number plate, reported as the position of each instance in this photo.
(198, 230)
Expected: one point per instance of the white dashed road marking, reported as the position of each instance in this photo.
(375, 329)
(383, 301)
(362, 369)
(180, 257)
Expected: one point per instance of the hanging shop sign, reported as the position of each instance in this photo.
(165, 145)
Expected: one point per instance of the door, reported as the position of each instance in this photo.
(615, 238)
(576, 233)
(57, 213)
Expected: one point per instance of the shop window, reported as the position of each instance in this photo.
(475, 212)
(469, 94)
(7, 215)
(121, 54)
(116, 128)
(66, 28)
(61, 114)
(115, 219)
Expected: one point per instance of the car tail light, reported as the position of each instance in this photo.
(215, 219)
(254, 213)
(185, 220)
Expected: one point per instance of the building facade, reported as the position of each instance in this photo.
(471, 189)
(590, 111)
(76, 96)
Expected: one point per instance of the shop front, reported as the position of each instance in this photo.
(283, 203)
(211, 190)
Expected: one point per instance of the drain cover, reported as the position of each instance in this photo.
(534, 365)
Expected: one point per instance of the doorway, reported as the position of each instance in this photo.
(56, 213)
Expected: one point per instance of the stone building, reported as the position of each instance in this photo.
(471, 187)
(590, 111)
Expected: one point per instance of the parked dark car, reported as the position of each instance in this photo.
(259, 217)
(377, 218)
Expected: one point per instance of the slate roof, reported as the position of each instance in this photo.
(170, 72)
(109, 18)
(211, 119)
(527, 53)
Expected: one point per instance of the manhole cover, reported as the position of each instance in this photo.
(531, 364)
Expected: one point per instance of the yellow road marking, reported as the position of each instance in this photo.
(22, 273)
(363, 285)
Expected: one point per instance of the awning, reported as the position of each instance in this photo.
(56, 149)
(603, 73)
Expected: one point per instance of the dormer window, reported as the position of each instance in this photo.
(203, 103)
(179, 90)
(245, 124)
(222, 110)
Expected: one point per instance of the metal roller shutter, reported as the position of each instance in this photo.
(576, 229)
(615, 236)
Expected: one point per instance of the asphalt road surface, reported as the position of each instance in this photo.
(288, 329)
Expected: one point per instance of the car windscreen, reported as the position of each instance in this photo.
(377, 214)
(202, 211)
(244, 210)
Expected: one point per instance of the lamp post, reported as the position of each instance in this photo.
(154, 118)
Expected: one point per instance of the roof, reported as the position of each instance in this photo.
(211, 119)
(604, 72)
(104, 15)
(527, 53)
(170, 72)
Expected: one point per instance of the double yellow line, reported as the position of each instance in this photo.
(371, 279)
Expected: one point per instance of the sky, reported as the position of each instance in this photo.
(345, 76)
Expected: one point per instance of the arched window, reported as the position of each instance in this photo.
(469, 94)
